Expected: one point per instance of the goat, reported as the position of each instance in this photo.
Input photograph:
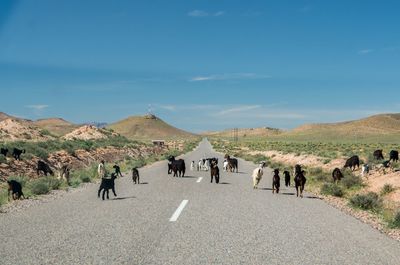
(14, 189)
(135, 176)
(17, 153)
(287, 178)
(106, 185)
(276, 181)
(214, 172)
(257, 175)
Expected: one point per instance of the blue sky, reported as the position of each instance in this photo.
(202, 65)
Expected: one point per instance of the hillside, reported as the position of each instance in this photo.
(15, 130)
(148, 127)
(246, 132)
(56, 126)
(88, 132)
(383, 127)
(5, 116)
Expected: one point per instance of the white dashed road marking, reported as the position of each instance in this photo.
(199, 179)
(178, 211)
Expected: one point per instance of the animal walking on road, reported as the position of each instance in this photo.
(276, 182)
(257, 175)
(135, 176)
(176, 166)
(287, 178)
(232, 164)
(106, 185)
(117, 170)
(299, 180)
(192, 166)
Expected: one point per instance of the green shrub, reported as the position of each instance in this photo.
(40, 186)
(85, 178)
(75, 182)
(369, 201)
(332, 189)
(53, 183)
(395, 223)
(386, 189)
(3, 160)
(350, 181)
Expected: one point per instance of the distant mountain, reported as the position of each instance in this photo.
(148, 127)
(246, 132)
(55, 126)
(97, 124)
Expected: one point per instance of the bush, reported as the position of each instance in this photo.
(40, 186)
(85, 178)
(369, 201)
(332, 189)
(75, 182)
(3, 159)
(395, 223)
(350, 181)
(386, 189)
(53, 183)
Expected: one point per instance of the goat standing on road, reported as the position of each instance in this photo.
(214, 172)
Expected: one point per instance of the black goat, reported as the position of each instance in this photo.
(276, 181)
(287, 178)
(4, 151)
(45, 168)
(135, 176)
(17, 153)
(106, 185)
(214, 172)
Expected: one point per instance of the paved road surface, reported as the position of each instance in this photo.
(229, 223)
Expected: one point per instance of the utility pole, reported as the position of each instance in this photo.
(235, 135)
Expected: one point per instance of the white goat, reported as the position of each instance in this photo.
(257, 175)
(226, 165)
(192, 166)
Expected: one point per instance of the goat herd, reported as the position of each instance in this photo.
(178, 168)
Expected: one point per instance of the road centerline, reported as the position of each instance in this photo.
(178, 211)
(199, 179)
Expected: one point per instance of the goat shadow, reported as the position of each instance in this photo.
(123, 198)
(225, 183)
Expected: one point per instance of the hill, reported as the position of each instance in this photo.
(148, 127)
(381, 128)
(56, 126)
(16, 130)
(88, 132)
(246, 132)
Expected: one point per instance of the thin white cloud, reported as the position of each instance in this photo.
(228, 76)
(238, 109)
(365, 51)
(197, 13)
(37, 107)
(219, 13)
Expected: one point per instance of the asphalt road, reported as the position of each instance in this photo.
(229, 223)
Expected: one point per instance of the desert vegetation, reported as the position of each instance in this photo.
(352, 188)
